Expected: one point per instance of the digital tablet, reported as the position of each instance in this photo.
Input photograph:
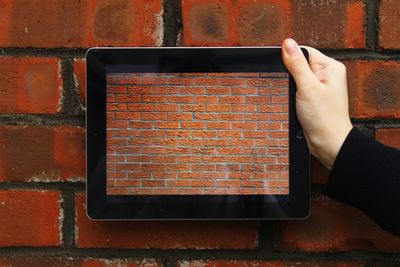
(193, 133)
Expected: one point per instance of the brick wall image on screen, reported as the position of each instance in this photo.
(197, 133)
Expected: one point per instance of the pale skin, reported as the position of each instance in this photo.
(321, 100)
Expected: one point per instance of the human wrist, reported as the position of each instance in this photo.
(325, 145)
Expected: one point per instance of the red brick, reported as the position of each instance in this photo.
(244, 108)
(41, 153)
(389, 136)
(389, 24)
(206, 99)
(197, 90)
(257, 99)
(218, 108)
(138, 89)
(192, 125)
(231, 99)
(244, 125)
(205, 23)
(81, 23)
(166, 107)
(268, 22)
(116, 107)
(218, 125)
(167, 125)
(163, 235)
(334, 226)
(79, 77)
(344, 19)
(118, 124)
(73, 262)
(206, 116)
(140, 107)
(246, 90)
(141, 125)
(262, 22)
(373, 89)
(30, 85)
(261, 263)
(153, 183)
(189, 158)
(127, 116)
(269, 125)
(168, 89)
(205, 134)
(111, 98)
(192, 107)
(218, 90)
(176, 133)
(179, 116)
(112, 88)
(179, 99)
(153, 98)
(30, 218)
(128, 98)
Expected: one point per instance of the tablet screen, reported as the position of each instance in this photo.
(197, 133)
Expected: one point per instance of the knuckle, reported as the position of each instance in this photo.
(341, 66)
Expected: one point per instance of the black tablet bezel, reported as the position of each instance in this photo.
(235, 59)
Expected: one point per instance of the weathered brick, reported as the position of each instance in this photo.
(41, 153)
(30, 218)
(389, 136)
(389, 24)
(81, 23)
(30, 85)
(262, 22)
(164, 235)
(373, 88)
(208, 23)
(268, 22)
(333, 226)
(329, 24)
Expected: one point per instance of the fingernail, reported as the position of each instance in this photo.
(290, 46)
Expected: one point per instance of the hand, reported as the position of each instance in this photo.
(321, 100)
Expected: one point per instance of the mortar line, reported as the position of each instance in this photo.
(42, 119)
(79, 120)
(339, 53)
(174, 255)
(372, 25)
(68, 223)
(44, 52)
(171, 22)
(59, 186)
(265, 235)
(70, 101)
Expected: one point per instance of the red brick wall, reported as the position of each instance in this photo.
(197, 133)
(43, 218)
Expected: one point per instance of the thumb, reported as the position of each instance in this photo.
(296, 63)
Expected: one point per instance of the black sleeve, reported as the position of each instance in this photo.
(366, 175)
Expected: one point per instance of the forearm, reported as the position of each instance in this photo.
(366, 175)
